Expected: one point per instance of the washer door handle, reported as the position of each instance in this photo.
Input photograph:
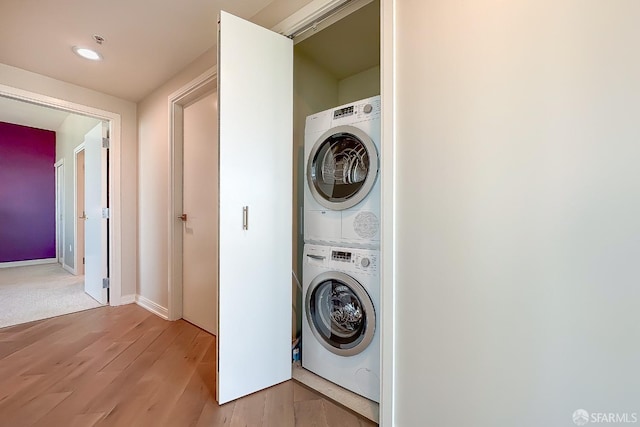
(316, 256)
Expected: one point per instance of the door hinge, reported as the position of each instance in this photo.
(105, 213)
(82, 260)
(105, 142)
(105, 283)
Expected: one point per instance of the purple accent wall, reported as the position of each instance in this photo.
(27, 193)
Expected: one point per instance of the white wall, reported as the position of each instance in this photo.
(365, 84)
(69, 135)
(36, 83)
(517, 208)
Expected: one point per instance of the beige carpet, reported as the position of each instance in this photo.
(39, 292)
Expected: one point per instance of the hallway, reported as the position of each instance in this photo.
(39, 292)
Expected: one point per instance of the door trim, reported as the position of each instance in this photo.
(115, 125)
(60, 229)
(177, 100)
(76, 255)
(316, 16)
(388, 219)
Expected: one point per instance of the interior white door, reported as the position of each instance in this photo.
(200, 204)
(255, 87)
(95, 199)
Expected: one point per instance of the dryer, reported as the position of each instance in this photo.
(342, 190)
(340, 326)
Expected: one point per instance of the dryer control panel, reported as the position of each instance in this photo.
(366, 109)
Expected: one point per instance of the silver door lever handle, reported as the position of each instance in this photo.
(245, 217)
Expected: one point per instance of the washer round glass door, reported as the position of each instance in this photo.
(342, 167)
(340, 313)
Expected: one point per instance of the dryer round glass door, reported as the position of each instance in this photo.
(340, 313)
(342, 167)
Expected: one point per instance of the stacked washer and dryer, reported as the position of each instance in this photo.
(341, 275)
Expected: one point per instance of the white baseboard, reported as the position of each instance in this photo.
(127, 299)
(156, 309)
(28, 262)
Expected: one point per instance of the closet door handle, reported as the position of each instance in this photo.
(245, 217)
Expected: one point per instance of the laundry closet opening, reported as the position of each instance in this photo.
(336, 63)
(337, 77)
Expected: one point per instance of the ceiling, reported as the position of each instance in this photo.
(146, 42)
(145, 46)
(31, 115)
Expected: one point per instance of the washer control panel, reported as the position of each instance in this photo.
(343, 256)
(360, 260)
(348, 260)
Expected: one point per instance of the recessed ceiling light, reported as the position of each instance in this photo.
(87, 53)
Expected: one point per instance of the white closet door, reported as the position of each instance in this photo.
(255, 70)
(95, 198)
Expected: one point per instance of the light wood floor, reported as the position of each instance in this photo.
(123, 366)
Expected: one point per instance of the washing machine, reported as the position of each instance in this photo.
(342, 191)
(340, 326)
